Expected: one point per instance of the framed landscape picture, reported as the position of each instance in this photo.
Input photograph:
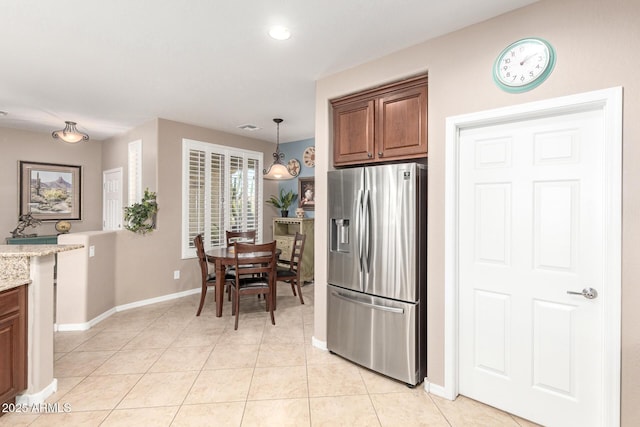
(49, 191)
(307, 193)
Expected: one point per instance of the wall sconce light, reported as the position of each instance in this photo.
(70, 134)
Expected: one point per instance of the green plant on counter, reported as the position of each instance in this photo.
(284, 201)
(141, 217)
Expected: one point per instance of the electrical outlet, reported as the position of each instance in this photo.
(92, 251)
(176, 274)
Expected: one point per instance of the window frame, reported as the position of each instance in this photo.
(134, 172)
(248, 156)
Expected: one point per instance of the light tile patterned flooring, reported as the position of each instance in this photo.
(160, 365)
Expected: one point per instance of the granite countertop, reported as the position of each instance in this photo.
(7, 251)
(15, 259)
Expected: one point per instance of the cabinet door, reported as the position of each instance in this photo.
(353, 128)
(13, 371)
(401, 131)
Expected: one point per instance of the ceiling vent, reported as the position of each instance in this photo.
(248, 127)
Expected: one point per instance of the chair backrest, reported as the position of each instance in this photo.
(202, 259)
(296, 252)
(241, 236)
(255, 259)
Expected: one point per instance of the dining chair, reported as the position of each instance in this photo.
(241, 236)
(255, 265)
(291, 272)
(208, 278)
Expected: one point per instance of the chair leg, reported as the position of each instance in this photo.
(203, 294)
(299, 290)
(236, 303)
(293, 288)
(233, 301)
(270, 305)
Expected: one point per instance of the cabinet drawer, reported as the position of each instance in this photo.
(9, 301)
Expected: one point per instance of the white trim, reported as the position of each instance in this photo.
(134, 172)
(610, 102)
(322, 345)
(434, 389)
(155, 300)
(39, 397)
(65, 327)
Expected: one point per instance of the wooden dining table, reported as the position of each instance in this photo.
(221, 258)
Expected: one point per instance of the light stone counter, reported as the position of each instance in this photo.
(14, 262)
(33, 265)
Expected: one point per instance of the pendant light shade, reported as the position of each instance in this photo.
(70, 134)
(278, 170)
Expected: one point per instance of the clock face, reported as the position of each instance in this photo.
(523, 65)
(309, 157)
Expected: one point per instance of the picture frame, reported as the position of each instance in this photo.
(307, 193)
(49, 191)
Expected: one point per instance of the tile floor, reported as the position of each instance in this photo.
(160, 365)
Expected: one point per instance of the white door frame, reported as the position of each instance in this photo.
(610, 102)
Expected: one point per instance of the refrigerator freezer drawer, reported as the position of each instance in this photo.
(377, 333)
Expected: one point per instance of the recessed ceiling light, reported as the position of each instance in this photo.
(279, 32)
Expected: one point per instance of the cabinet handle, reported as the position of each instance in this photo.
(380, 153)
(369, 155)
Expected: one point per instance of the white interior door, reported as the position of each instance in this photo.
(531, 228)
(112, 199)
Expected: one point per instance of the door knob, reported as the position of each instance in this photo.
(588, 293)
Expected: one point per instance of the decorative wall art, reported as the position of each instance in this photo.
(50, 192)
(307, 193)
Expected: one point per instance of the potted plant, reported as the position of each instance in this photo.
(283, 202)
(141, 217)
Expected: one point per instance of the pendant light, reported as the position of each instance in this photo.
(70, 134)
(278, 170)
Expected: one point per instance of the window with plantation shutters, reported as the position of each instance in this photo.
(134, 160)
(221, 190)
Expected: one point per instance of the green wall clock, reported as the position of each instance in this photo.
(524, 64)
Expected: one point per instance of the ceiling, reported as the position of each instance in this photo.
(113, 65)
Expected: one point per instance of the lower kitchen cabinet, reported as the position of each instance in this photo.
(13, 342)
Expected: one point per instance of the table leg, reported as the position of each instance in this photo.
(219, 287)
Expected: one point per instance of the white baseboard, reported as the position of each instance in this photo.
(88, 325)
(39, 397)
(157, 299)
(322, 345)
(435, 389)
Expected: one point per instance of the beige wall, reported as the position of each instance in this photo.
(596, 43)
(145, 264)
(85, 283)
(16, 145)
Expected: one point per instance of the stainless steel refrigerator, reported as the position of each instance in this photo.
(377, 274)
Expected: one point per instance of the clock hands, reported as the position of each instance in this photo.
(528, 57)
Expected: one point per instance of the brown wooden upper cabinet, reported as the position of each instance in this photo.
(383, 124)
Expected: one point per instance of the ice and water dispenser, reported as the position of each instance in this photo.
(339, 235)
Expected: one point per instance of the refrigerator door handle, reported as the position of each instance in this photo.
(360, 228)
(367, 304)
(367, 231)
